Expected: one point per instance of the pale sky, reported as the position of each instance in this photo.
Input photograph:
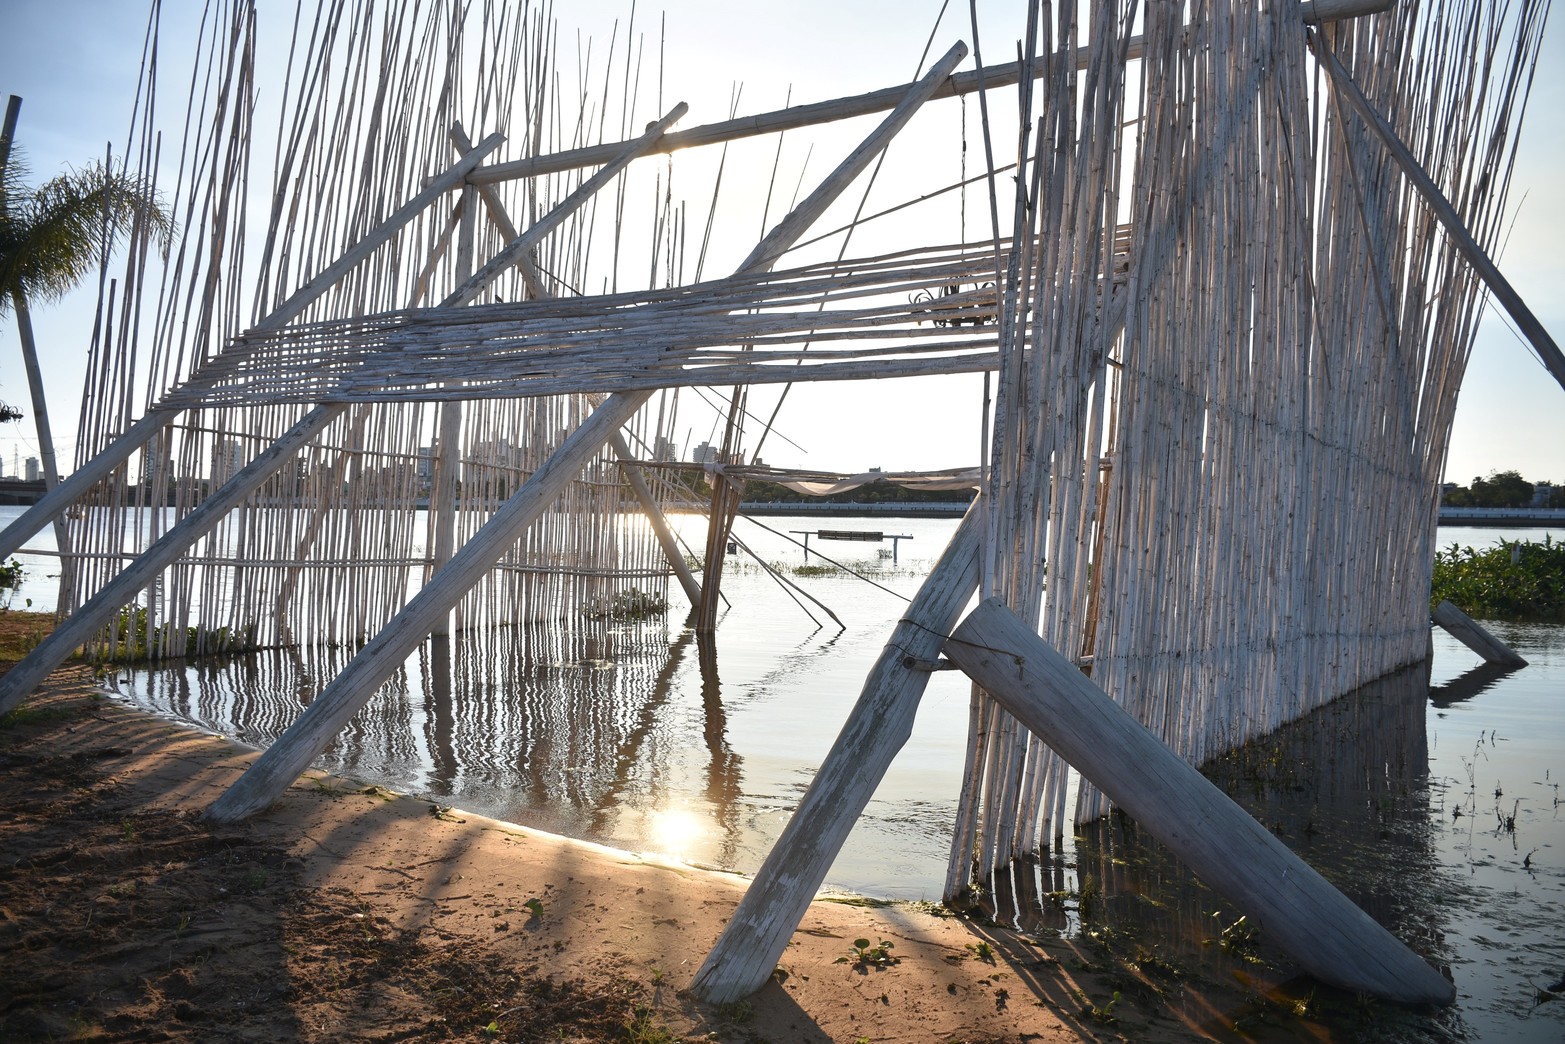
(75, 63)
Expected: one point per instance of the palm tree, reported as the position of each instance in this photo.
(52, 237)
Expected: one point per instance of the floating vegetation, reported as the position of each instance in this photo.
(129, 640)
(632, 604)
(1515, 580)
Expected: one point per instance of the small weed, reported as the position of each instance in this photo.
(534, 906)
(491, 1030)
(642, 1028)
(816, 570)
(127, 830)
(1089, 902)
(1238, 939)
(1103, 1014)
(864, 955)
(983, 951)
(738, 1012)
(256, 878)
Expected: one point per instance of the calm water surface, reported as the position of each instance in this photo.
(1432, 798)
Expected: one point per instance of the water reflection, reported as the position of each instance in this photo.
(571, 729)
(1346, 787)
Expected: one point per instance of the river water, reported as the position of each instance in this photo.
(1432, 798)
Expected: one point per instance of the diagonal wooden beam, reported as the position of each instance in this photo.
(880, 723)
(281, 763)
(1510, 300)
(1233, 854)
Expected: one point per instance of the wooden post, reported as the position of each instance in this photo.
(293, 751)
(1233, 854)
(1509, 299)
(877, 727)
(1471, 634)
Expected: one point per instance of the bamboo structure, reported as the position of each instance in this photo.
(1226, 320)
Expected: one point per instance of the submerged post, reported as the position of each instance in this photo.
(1236, 856)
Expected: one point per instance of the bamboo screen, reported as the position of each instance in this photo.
(331, 547)
(1220, 490)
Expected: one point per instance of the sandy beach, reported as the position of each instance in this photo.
(346, 912)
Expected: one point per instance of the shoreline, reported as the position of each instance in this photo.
(349, 912)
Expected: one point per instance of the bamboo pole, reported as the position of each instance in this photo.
(1239, 858)
(744, 956)
(119, 592)
(142, 431)
(280, 764)
(1510, 300)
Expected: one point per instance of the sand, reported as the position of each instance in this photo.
(346, 912)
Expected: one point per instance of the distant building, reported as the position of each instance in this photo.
(664, 449)
(705, 453)
(1541, 494)
(34, 470)
(227, 459)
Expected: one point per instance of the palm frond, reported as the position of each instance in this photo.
(52, 237)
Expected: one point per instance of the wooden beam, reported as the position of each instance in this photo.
(877, 728)
(1509, 299)
(281, 763)
(1237, 857)
(1476, 637)
(522, 245)
(778, 120)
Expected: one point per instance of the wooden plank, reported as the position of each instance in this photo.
(1475, 254)
(1476, 637)
(878, 726)
(1236, 856)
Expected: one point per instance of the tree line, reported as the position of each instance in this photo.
(1503, 489)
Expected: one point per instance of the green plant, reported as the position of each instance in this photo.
(1100, 1013)
(632, 604)
(983, 951)
(1238, 939)
(864, 955)
(816, 570)
(1515, 580)
(643, 1028)
(129, 640)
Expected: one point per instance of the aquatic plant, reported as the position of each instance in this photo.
(631, 604)
(1515, 580)
(128, 640)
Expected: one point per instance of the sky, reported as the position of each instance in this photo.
(75, 63)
